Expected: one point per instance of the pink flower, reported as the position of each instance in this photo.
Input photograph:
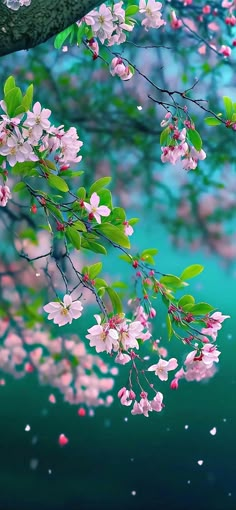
(5, 194)
(63, 313)
(38, 120)
(128, 229)
(210, 355)
(162, 367)
(129, 332)
(102, 337)
(151, 9)
(95, 210)
(156, 403)
(101, 22)
(225, 50)
(143, 407)
(118, 68)
(122, 358)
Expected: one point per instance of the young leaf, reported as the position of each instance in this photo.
(94, 270)
(191, 271)
(99, 184)
(13, 99)
(187, 299)
(195, 139)
(19, 187)
(93, 246)
(79, 225)
(115, 300)
(169, 327)
(201, 309)
(228, 107)
(114, 234)
(58, 183)
(212, 121)
(9, 84)
(164, 136)
(73, 237)
(60, 38)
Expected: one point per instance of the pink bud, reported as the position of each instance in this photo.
(152, 313)
(81, 411)
(132, 395)
(174, 384)
(29, 368)
(121, 392)
(63, 440)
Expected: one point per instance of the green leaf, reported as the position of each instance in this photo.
(73, 237)
(191, 271)
(164, 136)
(94, 270)
(55, 211)
(117, 215)
(93, 246)
(149, 251)
(228, 107)
(133, 221)
(9, 84)
(126, 258)
(23, 168)
(79, 225)
(60, 38)
(19, 187)
(195, 139)
(131, 10)
(99, 184)
(172, 281)
(81, 193)
(105, 198)
(13, 99)
(28, 98)
(187, 299)
(115, 300)
(169, 327)
(201, 309)
(212, 121)
(80, 33)
(99, 282)
(114, 234)
(58, 183)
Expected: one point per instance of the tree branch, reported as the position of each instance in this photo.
(33, 25)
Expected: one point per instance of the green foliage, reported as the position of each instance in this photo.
(191, 271)
(195, 139)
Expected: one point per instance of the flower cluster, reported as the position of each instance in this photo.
(23, 139)
(179, 147)
(110, 24)
(63, 364)
(144, 406)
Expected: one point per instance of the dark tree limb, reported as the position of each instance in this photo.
(33, 25)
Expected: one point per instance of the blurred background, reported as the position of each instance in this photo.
(185, 456)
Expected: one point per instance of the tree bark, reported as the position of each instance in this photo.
(33, 25)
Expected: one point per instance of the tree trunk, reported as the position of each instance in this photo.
(33, 25)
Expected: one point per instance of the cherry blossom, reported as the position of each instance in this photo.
(118, 68)
(38, 120)
(102, 336)
(151, 9)
(162, 368)
(101, 22)
(96, 211)
(63, 313)
(5, 194)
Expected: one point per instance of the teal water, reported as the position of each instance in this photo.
(115, 460)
